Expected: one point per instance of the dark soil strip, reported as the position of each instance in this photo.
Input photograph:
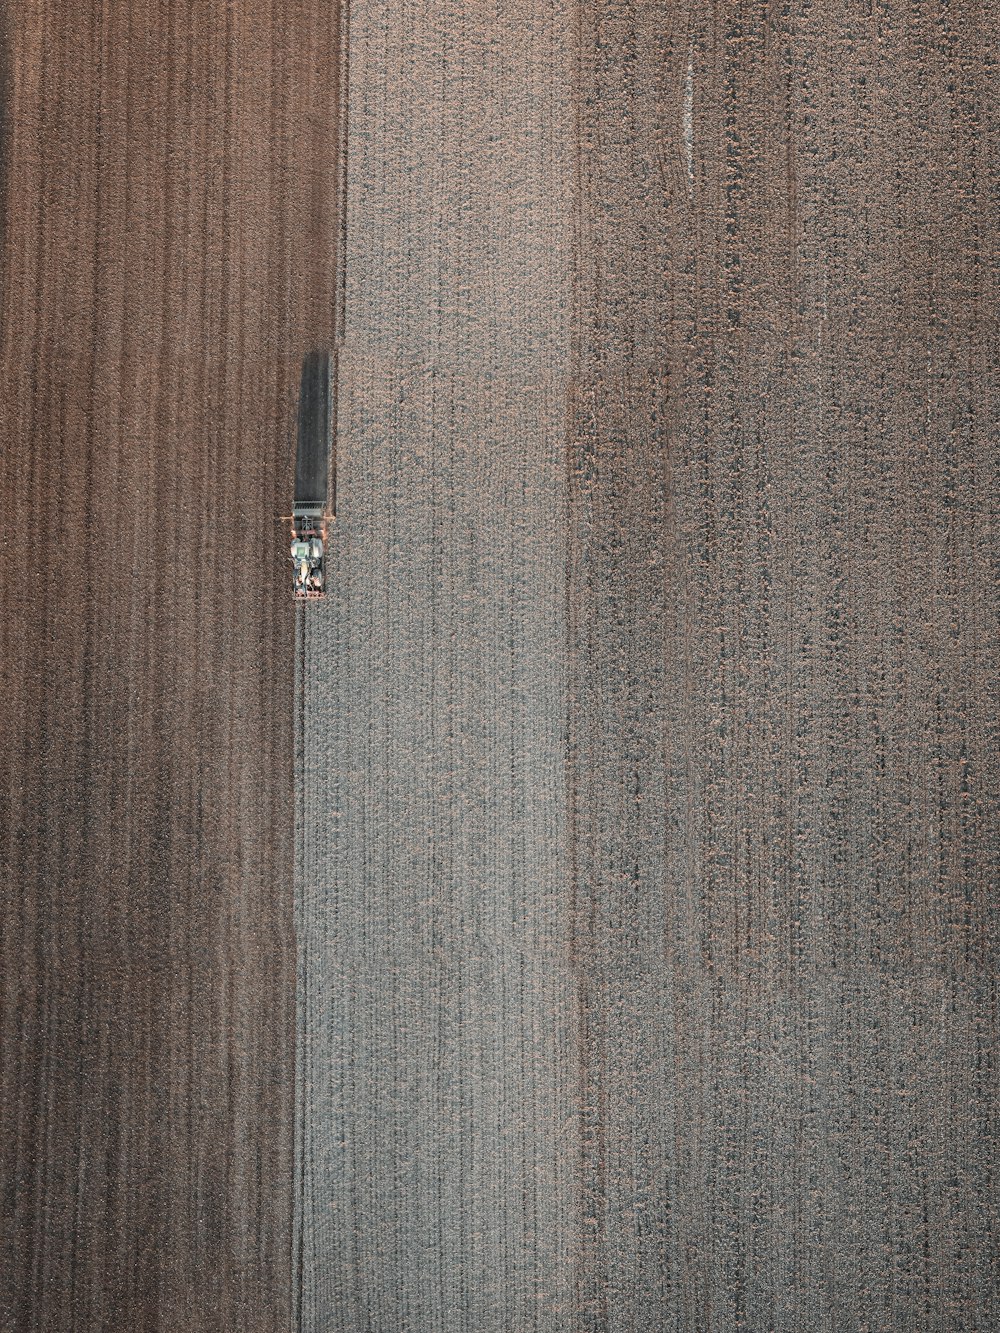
(170, 253)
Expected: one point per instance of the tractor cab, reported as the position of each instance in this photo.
(308, 550)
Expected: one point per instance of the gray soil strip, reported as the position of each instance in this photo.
(649, 957)
(437, 1057)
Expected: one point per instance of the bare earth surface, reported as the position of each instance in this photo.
(438, 1069)
(632, 801)
(784, 670)
(648, 965)
(167, 261)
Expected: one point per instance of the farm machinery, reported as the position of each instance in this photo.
(310, 517)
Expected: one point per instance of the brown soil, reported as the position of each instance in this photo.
(647, 769)
(169, 255)
(785, 665)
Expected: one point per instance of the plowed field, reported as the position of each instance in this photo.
(585, 919)
(168, 259)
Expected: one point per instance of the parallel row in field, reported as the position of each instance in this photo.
(650, 740)
(168, 257)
